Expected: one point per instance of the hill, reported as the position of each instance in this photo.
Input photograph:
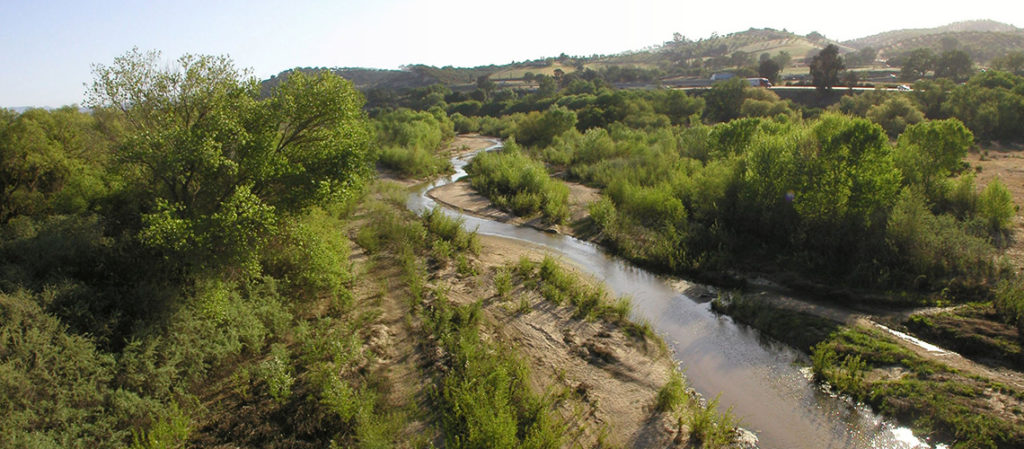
(889, 38)
(364, 79)
(683, 57)
(982, 39)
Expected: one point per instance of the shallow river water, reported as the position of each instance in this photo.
(766, 384)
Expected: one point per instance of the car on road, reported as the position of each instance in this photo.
(759, 82)
(903, 88)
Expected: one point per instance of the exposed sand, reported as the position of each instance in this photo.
(612, 379)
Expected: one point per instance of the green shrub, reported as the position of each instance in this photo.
(168, 432)
(1009, 302)
(519, 184)
(712, 428)
(412, 141)
(485, 397)
(672, 395)
(415, 129)
(276, 374)
(310, 256)
(995, 206)
(503, 282)
(935, 248)
(895, 114)
(452, 230)
(539, 129)
(37, 354)
(415, 162)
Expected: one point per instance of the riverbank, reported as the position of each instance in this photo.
(994, 395)
(613, 371)
(609, 381)
(601, 374)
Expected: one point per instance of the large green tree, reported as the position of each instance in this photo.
(217, 164)
(917, 64)
(825, 68)
(954, 64)
(770, 69)
(1012, 62)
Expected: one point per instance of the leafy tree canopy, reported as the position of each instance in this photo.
(770, 69)
(954, 64)
(217, 162)
(825, 68)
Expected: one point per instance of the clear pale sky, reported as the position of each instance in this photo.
(47, 47)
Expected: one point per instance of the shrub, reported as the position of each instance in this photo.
(412, 141)
(895, 114)
(1009, 302)
(995, 206)
(485, 396)
(539, 129)
(672, 395)
(415, 162)
(310, 256)
(932, 248)
(516, 183)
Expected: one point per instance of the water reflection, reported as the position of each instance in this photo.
(765, 384)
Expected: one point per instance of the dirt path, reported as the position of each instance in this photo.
(392, 338)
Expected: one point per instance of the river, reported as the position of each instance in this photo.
(766, 384)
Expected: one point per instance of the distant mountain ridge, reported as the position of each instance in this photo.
(983, 40)
(890, 37)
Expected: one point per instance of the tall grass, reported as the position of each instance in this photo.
(935, 399)
(484, 397)
(415, 162)
(708, 426)
(518, 184)
(563, 287)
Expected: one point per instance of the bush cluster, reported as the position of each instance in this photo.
(519, 184)
(412, 142)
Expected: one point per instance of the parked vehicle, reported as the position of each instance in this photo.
(759, 82)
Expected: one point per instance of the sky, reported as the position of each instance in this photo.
(48, 48)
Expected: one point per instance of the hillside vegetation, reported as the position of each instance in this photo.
(983, 39)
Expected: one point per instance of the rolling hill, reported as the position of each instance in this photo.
(983, 40)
